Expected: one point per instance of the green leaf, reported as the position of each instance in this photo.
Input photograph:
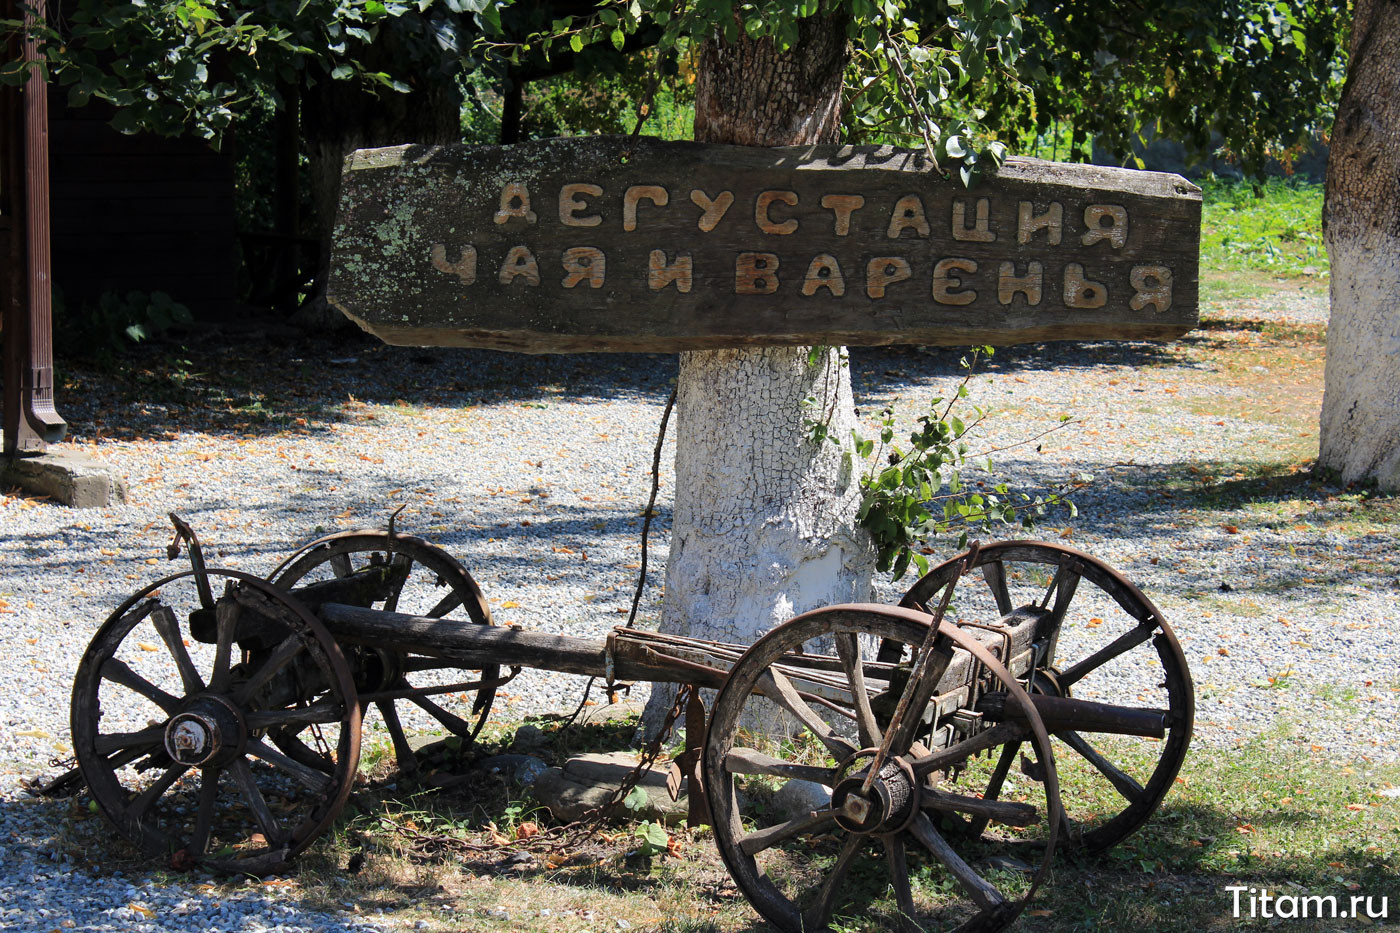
(636, 799)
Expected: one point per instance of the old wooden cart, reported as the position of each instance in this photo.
(216, 717)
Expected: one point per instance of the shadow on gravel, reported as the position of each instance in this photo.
(263, 388)
(258, 387)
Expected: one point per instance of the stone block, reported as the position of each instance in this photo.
(67, 478)
(588, 781)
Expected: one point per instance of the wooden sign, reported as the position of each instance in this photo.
(608, 243)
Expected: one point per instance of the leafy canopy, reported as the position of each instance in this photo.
(174, 66)
(954, 75)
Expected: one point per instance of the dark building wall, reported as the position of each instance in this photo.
(139, 213)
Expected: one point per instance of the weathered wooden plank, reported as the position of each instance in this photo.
(605, 243)
(464, 642)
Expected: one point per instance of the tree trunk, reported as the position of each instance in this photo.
(339, 117)
(764, 522)
(1361, 226)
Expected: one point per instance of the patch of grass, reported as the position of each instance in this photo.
(1269, 814)
(1266, 815)
(1274, 227)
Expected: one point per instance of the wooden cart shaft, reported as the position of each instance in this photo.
(624, 659)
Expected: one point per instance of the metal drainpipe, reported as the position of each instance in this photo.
(30, 421)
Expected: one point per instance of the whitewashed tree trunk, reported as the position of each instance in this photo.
(764, 522)
(1361, 218)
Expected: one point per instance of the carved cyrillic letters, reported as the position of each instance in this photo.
(464, 268)
(515, 202)
(714, 210)
(520, 263)
(908, 214)
(1081, 292)
(1152, 286)
(570, 205)
(760, 212)
(944, 281)
(755, 274)
(1009, 283)
(1028, 222)
(660, 273)
(843, 205)
(584, 264)
(884, 271)
(824, 272)
(979, 232)
(1116, 232)
(653, 193)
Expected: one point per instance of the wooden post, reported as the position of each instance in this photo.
(30, 421)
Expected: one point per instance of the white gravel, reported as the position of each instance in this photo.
(534, 472)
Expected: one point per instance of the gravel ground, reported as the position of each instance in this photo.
(533, 472)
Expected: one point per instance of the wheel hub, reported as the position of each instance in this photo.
(209, 731)
(886, 807)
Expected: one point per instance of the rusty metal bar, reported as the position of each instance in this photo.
(31, 422)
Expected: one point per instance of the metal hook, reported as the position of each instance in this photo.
(392, 532)
(183, 532)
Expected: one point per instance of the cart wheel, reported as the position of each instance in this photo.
(172, 705)
(1105, 642)
(399, 573)
(808, 701)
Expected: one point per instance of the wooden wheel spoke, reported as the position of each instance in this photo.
(1001, 811)
(281, 656)
(445, 605)
(119, 672)
(309, 776)
(982, 892)
(340, 565)
(917, 692)
(748, 761)
(116, 741)
(136, 810)
(899, 880)
(403, 752)
(322, 711)
(994, 784)
(399, 569)
(452, 721)
(252, 796)
(994, 572)
(204, 814)
(1124, 783)
(755, 842)
(960, 751)
(225, 624)
(819, 912)
(775, 685)
(1120, 645)
(169, 628)
(1065, 584)
(848, 647)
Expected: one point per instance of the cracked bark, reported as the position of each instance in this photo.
(764, 524)
(1360, 428)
